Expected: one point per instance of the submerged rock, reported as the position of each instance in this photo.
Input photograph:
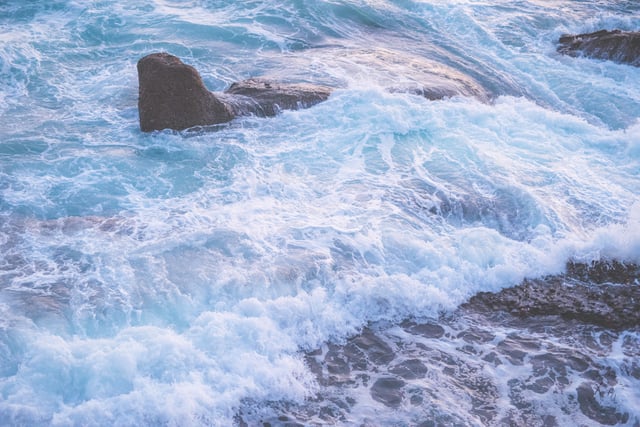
(562, 350)
(616, 45)
(403, 72)
(172, 95)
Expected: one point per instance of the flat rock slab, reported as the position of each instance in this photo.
(270, 97)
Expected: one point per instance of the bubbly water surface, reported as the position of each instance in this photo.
(166, 278)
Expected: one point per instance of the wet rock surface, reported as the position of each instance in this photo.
(606, 294)
(270, 97)
(523, 356)
(172, 95)
(616, 45)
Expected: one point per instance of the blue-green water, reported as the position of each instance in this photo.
(166, 278)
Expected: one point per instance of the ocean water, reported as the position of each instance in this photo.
(178, 278)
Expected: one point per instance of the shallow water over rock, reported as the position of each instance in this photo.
(487, 363)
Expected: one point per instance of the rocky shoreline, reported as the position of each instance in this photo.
(537, 354)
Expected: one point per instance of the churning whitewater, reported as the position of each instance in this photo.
(312, 268)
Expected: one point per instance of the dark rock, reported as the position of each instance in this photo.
(172, 95)
(269, 97)
(604, 272)
(411, 369)
(427, 330)
(516, 348)
(336, 362)
(590, 406)
(616, 45)
(372, 346)
(615, 306)
(475, 335)
(388, 391)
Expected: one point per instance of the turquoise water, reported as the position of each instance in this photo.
(165, 278)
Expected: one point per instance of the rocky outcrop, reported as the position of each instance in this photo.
(616, 45)
(606, 294)
(172, 95)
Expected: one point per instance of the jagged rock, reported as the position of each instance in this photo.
(613, 301)
(616, 45)
(172, 95)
